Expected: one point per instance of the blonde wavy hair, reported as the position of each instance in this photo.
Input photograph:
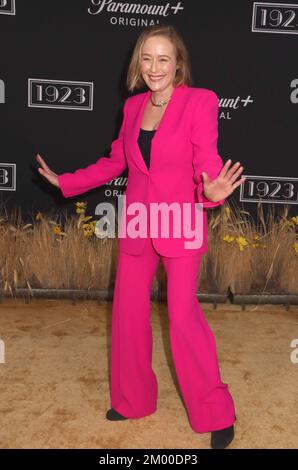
(134, 79)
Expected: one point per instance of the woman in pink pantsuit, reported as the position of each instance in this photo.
(184, 168)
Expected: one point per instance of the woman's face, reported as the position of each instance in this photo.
(158, 59)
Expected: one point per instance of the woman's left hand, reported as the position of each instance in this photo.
(224, 184)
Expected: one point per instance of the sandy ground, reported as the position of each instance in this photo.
(54, 383)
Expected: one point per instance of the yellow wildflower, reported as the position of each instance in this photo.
(80, 211)
(57, 230)
(242, 243)
(88, 230)
(81, 204)
(228, 238)
(81, 207)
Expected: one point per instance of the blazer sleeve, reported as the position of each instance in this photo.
(98, 173)
(204, 135)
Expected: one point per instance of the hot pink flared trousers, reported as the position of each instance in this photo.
(133, 383)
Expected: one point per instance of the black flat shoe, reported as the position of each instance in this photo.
(113, 415)
(222, 438)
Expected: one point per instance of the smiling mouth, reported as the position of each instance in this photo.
(155, 78)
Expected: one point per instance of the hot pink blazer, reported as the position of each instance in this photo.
(184, 145)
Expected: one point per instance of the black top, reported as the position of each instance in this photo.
(144, 142)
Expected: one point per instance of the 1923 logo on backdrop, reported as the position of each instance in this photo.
(60, 94)
(7, 176)
(269, 189)
(275, 18)
(7, 7)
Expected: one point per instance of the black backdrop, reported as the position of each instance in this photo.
(247, 52)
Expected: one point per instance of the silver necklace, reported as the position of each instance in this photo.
(160, 102)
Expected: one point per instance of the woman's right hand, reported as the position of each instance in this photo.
(45, 171)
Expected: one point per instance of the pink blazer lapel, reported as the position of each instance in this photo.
(159, 135)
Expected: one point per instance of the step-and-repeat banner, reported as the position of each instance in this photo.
(62, 87)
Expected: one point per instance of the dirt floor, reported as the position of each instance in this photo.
(54, 383)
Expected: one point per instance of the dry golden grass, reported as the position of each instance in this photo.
(262, 258)
(259, 257)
